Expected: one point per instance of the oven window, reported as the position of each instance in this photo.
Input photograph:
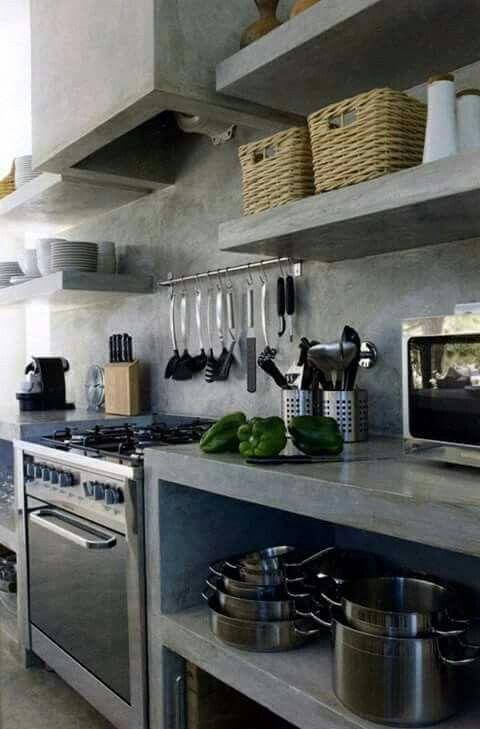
(444, 388)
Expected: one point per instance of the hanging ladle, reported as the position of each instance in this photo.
(198, 362)
(173, 361)
(211, 365)
(182, 369)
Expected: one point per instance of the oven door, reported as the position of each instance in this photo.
(78, 592)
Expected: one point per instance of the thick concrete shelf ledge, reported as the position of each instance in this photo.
(337, 49)
(70, 288)
(52, 203)
(426, 205)
(404, 497)
(296, 685)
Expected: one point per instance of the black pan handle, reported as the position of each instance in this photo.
(281, 306)
(290, 296)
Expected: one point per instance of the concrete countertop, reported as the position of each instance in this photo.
(420, 501)
(17, 426)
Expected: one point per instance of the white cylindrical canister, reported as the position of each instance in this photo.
(468, 119)
(441, 134)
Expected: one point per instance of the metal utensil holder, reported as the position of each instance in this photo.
(299, 402)
(350, 410)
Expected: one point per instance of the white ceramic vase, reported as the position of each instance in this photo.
(468, 119)
(441, 133)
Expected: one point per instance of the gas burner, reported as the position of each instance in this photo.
(126, 443)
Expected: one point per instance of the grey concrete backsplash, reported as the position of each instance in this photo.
(176, 230)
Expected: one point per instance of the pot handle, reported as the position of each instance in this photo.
(307, 632)
(211, 585)
(330, 600)
(216, 568)
(316, 617)
(297, 595)
(312, 558)
(466, 660)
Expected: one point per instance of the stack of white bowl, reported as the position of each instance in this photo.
(23, 170)
(7, 270)
(27, 261)
(74, 256)
(107, 259)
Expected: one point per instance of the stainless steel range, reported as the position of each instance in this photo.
(81, 566)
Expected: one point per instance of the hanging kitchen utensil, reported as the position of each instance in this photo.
(212, 362)
(182, 368)
(251, 338)
(219, 318)
(290, 303)
(224, 370)
(269, 352)
(197, 363)
(281, 310)
(266, 363)
(173, 361)
(351, 335)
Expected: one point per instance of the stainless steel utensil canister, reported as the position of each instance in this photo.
(350, 409)
(299, 402)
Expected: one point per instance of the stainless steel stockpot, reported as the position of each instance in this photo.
(265, 637)
(399, 606)
(235, 584)
(252, 609)
(398, 681)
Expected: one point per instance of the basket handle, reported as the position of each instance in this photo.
(342, 120)
(268, 152)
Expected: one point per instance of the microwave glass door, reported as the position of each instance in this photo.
(444, 388)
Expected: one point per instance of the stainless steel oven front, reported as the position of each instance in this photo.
(81, 582)
(441, 387)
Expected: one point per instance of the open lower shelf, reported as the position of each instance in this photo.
(337, 49)
(51, 203)
(433, 203)
(76, 288)
(296, 685)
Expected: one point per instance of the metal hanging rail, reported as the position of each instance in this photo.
(296, 266)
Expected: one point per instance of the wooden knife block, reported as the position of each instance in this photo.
(122, 388)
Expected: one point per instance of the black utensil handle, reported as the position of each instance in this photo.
(251, 364)
(119, 348)
(129, 349)
(290, 296)
(281, 305)
(111, 348)
(277, 460)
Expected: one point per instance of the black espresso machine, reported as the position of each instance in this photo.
(44, 385)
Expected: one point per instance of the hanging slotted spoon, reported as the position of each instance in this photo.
(173, 361)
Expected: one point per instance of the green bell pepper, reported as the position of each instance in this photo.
(262, 437)
(316, 435)
(222, 436)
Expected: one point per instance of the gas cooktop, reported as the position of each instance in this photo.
(125, 443)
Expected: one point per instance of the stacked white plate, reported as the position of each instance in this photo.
(73, 256)
(7, 270)
(23, 170)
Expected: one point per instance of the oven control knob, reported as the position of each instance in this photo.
(38, 470)
(45, 473)
(30, 470)
(88, 489)
(98, 491)
(110, 495)
(65, 478)
(54, 477)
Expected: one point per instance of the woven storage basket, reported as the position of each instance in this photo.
(276, 170)
(366, 136)
(7, 184)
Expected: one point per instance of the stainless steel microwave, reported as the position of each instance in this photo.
(441, 387)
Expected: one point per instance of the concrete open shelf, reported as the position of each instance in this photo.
(433, 203)
(51, 203)
(296, 685)
(337, 49)
(69, 288)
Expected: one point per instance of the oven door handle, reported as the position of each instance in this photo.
(103, 541)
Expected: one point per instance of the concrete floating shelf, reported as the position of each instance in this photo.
(337, 49)
(76, 289)
(51, 203)
(426, 205)
(296, 685)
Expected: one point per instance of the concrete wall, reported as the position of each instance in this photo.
(176, 230)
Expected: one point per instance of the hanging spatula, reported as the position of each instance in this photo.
(251, 342)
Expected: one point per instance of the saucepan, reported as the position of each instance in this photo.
(398, 681)
(261, 636)
(399, 606)
(259, 610)
(234, 585)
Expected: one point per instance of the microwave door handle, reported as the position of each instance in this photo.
(40, 518)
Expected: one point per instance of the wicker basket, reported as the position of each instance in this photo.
(7, 184)
(367, 136)
(276, 170)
